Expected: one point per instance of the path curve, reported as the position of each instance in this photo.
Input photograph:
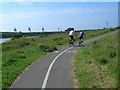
(53, 70)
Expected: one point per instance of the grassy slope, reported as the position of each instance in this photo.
(0, 66)
(19, 53)
(96, 66)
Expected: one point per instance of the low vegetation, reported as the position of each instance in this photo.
(0, 67)
(18, 53)
(96, 65)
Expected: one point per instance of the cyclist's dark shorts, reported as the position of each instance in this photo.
(71, 37)
(81, 37)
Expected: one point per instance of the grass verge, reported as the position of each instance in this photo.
(96, 65)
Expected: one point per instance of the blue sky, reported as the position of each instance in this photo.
(53, 15)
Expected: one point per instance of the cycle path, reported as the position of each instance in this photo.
(53, 70)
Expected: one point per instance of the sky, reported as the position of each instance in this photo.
(59, 0)
(54, 15)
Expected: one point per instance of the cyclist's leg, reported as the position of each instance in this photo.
(80, 40)
(70, 40)
(73, 40)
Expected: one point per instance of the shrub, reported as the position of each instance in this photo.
(22, 56)
(92, 35)
(58, 38)
(25, 44)
(51, 48)
(103, 61)
(10, 62)
(20, 51)
(33, 39)
(112, 54)
(95, 42)
(46, 48)
(59, 43)
(111, 29)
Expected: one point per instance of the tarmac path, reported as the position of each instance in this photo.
(53, 70)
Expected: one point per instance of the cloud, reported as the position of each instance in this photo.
(57, 11)
(43, 14)
(54, 17)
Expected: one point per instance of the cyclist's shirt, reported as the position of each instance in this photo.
(81, 34)
(71, 33)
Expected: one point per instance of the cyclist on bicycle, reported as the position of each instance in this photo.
(71, 35)
(81, 34)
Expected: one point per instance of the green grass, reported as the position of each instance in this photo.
(96, 65)
(17, 54)
(0, 66)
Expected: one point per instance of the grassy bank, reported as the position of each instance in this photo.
(18, 53)
(96, 65)
(0, 66)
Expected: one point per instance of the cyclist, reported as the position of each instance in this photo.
(71, 35)
(81, 34)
